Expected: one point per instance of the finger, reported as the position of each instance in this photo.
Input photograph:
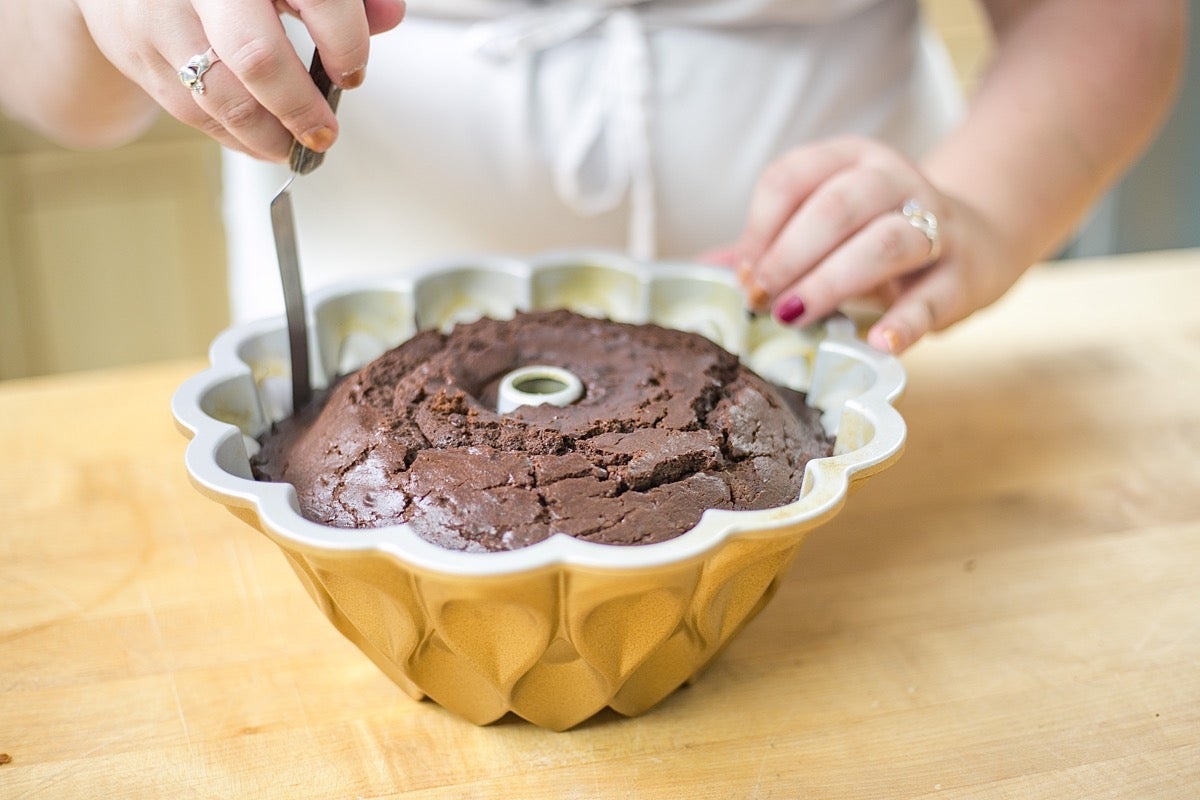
(250, 39)
(836, 211)
(781, 190)
(932, 303)
(784, 185)
(187, 112)
(885, 249)
(229, 113)
(383, 15)
(719, 256)
(243, 118)
(342, 36)
(164, 84)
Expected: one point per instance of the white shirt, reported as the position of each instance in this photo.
(511, 126)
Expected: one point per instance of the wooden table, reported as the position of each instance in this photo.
(1013, 610)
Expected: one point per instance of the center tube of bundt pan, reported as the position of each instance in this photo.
(535, 385)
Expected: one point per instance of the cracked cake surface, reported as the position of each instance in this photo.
(670, 424)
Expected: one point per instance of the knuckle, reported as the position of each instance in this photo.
(358, 54)
(305, 6)
(240, 112)
(772, 274)
(780, 178)
(892, 246)
(141, 63)
(305, 116)
(211, 128)
(216, 131)
(255, 60)
(834, 209)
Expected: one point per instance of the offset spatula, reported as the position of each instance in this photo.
(283, 223)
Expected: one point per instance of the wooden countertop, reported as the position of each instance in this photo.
(1012, 610)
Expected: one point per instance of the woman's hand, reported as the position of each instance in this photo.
(259, 95)
(825, 226)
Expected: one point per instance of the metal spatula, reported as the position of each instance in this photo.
(302, 161)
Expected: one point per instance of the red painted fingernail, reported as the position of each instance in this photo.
(790, 309)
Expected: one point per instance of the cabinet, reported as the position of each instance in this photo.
(108, 257)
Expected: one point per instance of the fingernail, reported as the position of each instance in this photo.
(756, 296)
(319, 139)
(892, 340)
(790, 309)
(354, 78)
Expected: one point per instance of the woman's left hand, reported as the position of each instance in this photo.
(825, 225)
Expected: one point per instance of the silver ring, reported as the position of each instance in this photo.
(927, 223)
(191, 74)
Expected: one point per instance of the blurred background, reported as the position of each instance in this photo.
(117, 257)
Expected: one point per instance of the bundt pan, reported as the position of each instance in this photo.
(556, 631)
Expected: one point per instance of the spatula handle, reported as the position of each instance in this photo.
(300, 158)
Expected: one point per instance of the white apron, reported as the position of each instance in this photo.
(514, 127)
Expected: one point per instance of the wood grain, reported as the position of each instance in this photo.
(1010, 611)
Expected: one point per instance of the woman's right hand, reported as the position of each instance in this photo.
(259, 95)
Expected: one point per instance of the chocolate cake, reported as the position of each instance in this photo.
(669, 424)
